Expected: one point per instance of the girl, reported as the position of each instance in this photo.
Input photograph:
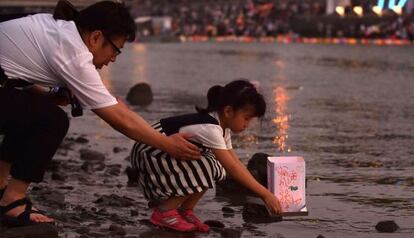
(176, 185)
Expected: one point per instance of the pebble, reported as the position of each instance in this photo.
(132, 176)
(114, 201)
(227, 210)
(387, 226)
(81, 140)
(134, 213)
(90, 155)
(140, 94)
(231, 233)
(214, 223)
(117, 230)
(118, 149)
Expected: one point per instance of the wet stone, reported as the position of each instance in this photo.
(117, 230)
(320, 236)
(227, 210)
(117, 149)
(99, 167)
(257, 166)
(388, 180)
(214, 223)
(114, 201)
(113, 171)
(90, 155)
(140, 94)
(387, 226)
(132, 176)
(66, 187)
(231, 233)
(81, 140)
(134, 213)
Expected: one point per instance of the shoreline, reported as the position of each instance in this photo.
(278, 39)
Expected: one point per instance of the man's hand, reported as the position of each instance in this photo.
(179, 147)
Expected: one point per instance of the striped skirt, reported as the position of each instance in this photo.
(160, 176)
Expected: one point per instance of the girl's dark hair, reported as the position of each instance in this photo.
(112, 18)
(237, 94)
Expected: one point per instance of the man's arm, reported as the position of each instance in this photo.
(129, 123)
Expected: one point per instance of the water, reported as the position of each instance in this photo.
(348, 110)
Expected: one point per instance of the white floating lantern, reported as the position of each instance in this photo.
(286, 177)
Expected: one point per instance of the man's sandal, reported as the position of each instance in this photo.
(21, 220)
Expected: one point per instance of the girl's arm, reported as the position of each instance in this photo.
(239, 172)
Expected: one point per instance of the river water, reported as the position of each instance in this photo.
(348, 110)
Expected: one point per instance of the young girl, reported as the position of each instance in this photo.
(176, 185)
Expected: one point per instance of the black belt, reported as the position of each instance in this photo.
(11, 83)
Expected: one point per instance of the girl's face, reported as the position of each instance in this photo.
(238, 120)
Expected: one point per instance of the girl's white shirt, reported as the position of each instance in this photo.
(210, 135)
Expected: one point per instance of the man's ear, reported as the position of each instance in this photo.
(228, 111)
(95, 39)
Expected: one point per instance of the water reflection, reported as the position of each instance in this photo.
(140, 65)
(282, 118)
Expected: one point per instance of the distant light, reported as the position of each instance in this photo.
(358, 10)
(340, 11)
(397, 10)
(380, 4)
(377, 10)
(401, 3)
(391, 4)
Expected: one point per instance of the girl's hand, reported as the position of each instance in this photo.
(272, 203)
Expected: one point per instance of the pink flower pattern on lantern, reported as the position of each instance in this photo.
(287, 179)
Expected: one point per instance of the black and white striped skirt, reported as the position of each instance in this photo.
(161, 176)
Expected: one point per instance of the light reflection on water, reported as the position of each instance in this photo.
(282, 119)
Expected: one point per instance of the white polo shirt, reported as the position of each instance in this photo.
(51, 53)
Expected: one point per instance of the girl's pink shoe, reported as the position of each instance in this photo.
(171, 219)
(189, 216)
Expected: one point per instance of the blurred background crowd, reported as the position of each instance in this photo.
(383, 19)
(262, 18)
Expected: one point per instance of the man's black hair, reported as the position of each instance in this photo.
(112, 18)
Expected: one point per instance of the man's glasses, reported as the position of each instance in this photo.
(117, 50)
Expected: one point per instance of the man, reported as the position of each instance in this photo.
(45, 52)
